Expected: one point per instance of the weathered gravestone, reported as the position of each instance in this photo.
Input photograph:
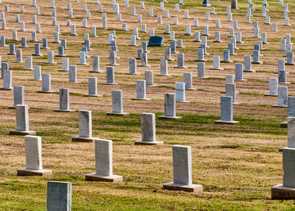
(34, 165)
(92, 87)
(59, 196)
(85, 127)
(22, 121)
(18, 95)
(286, 191)
(141, 90)
(64, 100)
(117, 103)
(170, 107)
(226, 106)
(103, 163)
(182, 171)
(46, 84)
(148, 129)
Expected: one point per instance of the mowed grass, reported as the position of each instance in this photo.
(236, 164)
(143, 191)
(143, 200)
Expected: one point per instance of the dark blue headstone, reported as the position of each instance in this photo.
(206, 3)
(155, 41)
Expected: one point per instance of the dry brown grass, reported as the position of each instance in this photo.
(237, 168)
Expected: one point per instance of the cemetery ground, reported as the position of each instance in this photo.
(237, 164)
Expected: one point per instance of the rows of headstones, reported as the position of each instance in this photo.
(142, 54)
(182, 169)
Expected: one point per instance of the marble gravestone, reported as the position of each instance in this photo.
(85, 127)
(117, 103)
(22, 121)
(148, 130)
(226, 106)
(170, 107)
(286, 190)
(64, 100)
(182, 171)
(104, 163)
(34, 165)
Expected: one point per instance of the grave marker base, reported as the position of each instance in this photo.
(63, 110)
(46, 92)
(241, 80)
(94, 177)
(184, 101)
(116, 64)
(6, 89)
(212, 68)
(270, 95)
(146, 66)
(197, 189)
(229, 61)
(180, 67)
(147, 99)
(154, 84)
(22, 133)
(99, 71)
(284, 83)
(110, 83)
(226, 122)
(28, 172)
(82, 139)
(117, 114)
(205, 77)
(280, 106)
(284, 124)
(170, 117)
(171, 59)
(148, 142)
(279, 192)
(98, 95)
(258, 62)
